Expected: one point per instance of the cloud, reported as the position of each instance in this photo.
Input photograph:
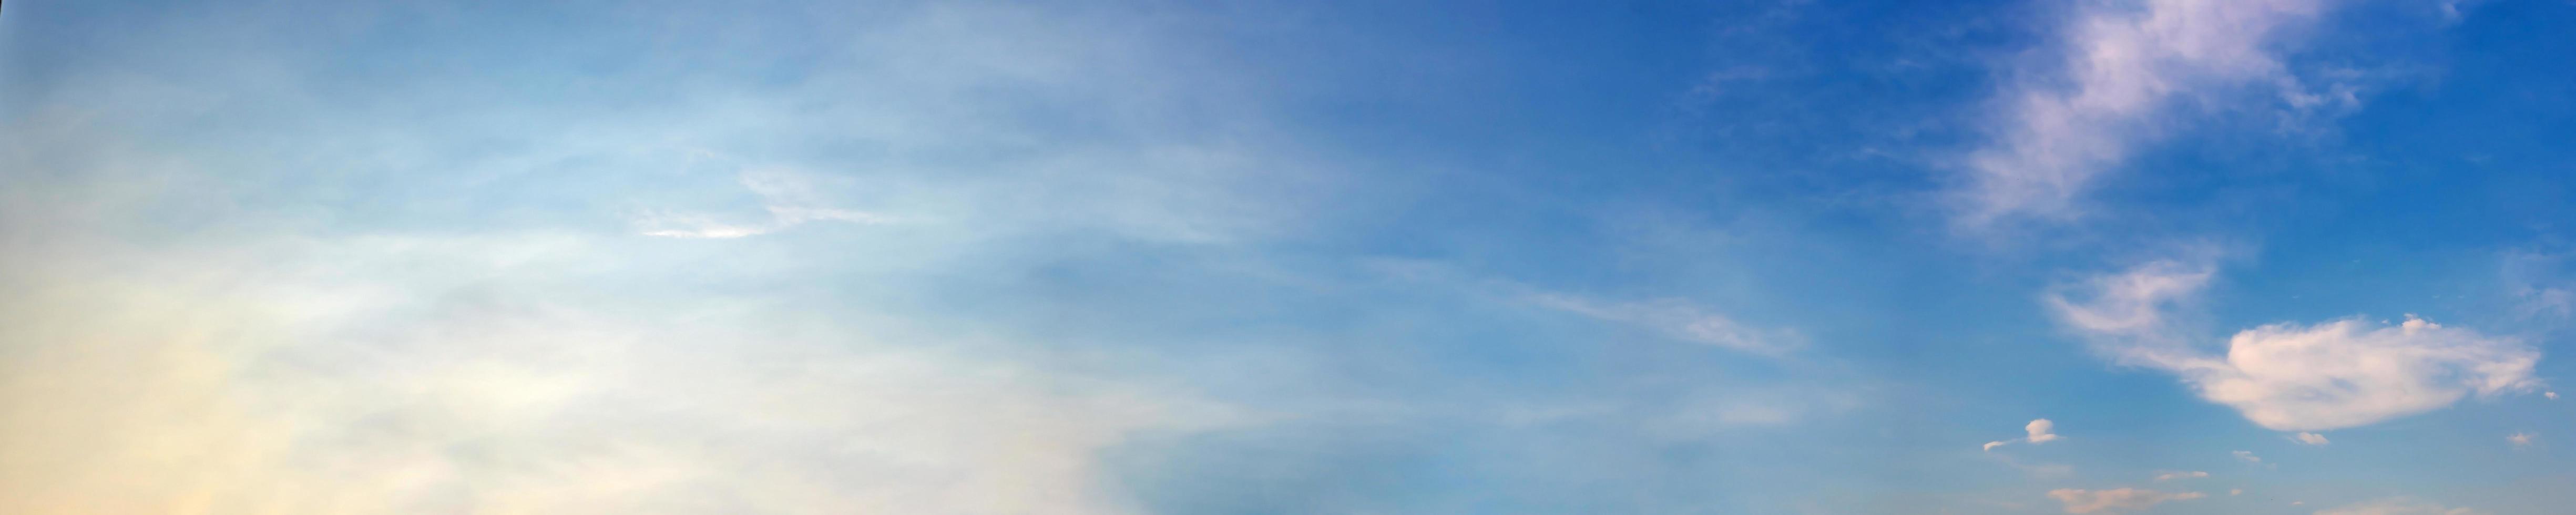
(2520, 439)
(787, 197)
(2248, 456)
(2539, 283)
(2235, 491)
(2169, 476)
(2115, 500)
(2309, 439)
(2289, 376)
(2551, 395)
(356, 377)
(2038, 432)
(2399, 506)
(448, 315)
(1680, 320)
(2349, 373)
(2121, 68)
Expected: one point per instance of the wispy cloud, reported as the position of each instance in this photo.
(2079, 501)
(446, 314)
(2397, 506)
(2119, 67)
(2309, 439)
(1680, 320)
(2169, 476)
(350, 376)
(788, 198)
(2539, 284)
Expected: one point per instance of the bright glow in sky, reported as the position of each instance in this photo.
(1797, 257)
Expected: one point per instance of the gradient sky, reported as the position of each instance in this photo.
(1352, 257)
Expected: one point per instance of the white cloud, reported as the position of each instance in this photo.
(2551, 395)
(2349, 373)
(2036, 432)
(2121, 499)
(2520, 439)
(2040, 431)
(2398, 506)
(2294, 377)
(1679, 320)
(2169, 476)
(2309, 439)
(2248, 456)
(2235, 491)
(2121, 67)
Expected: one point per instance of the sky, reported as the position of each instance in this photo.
(1797, 257)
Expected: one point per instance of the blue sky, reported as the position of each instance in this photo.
(1758, 257)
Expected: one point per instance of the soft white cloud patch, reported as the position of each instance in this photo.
(2351, 372)
(2295, 377)
(2309, 439)
(2520, 439)
(2169, 476)
(2248, 456)
(787, 197)
(2123, 66)
(2037, 432)
(2080, 501)
(2399, 506)
(2231, 492)
(1681, 320)
(2551, 395)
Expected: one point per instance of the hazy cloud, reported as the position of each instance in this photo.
(1680, 320)
(2115, 500)
(2399, 506)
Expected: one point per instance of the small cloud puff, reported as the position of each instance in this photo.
(2248, 456)
(2040, 431)
(2309, 439)
(2520, 439)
